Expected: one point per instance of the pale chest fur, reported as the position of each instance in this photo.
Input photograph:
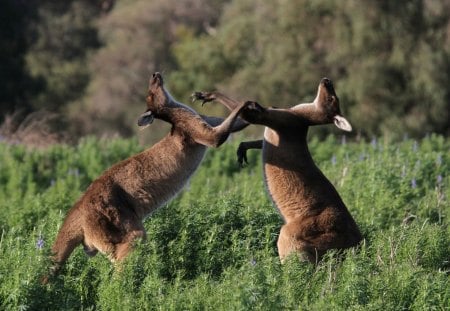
(293, 181)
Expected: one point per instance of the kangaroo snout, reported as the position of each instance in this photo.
(156, 79)
(328, 84)
(325, 81)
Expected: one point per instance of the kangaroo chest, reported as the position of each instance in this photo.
(294, 182)
(159, 173)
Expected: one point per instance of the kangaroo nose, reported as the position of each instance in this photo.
(156, 78)
(327, 83)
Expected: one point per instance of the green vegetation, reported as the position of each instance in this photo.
(214, 246)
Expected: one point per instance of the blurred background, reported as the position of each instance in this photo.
(81, 67)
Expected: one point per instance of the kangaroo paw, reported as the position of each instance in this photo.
(205, 97)
(242, 156)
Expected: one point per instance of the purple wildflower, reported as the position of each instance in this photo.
(413, 183)
(374, 143)
(253, 262)
(439, 179)
(40, 243)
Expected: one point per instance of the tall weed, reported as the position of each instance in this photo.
(214, 245)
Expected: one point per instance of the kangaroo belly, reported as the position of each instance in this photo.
(295, 184)
(161, 173)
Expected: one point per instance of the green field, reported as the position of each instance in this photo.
(214, 246)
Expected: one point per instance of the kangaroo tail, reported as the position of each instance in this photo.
(70, 235)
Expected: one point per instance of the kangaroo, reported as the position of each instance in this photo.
(108, 217)
(316, 219)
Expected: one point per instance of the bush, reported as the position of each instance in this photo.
(214, 246)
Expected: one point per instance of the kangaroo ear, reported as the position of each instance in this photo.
(145, 119)
(342, 123)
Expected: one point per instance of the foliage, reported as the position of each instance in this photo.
(63, 36)
(390, 60)
(214, 246)
(137, 36)
(82, 59)
(16, 82)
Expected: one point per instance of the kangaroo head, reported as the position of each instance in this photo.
(327, 103)
(157, 99)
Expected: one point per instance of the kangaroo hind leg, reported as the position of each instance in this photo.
(127, 245)
(290, 241)
(89, 250)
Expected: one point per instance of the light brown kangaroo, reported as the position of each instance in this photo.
(316, 219)
(108, 217)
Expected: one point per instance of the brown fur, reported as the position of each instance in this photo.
(316, 219)
(108, 217)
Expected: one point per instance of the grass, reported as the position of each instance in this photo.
(214, 246)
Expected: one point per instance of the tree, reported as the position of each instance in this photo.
(389, 60)
(394, 58)
(16, 84)
(64, 35)
(90, 60)
(137, 40)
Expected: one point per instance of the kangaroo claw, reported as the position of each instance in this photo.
(205, 97)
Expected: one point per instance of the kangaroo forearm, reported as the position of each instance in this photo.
(238, 125)
(215, 136)
(243, 147)
(254, 144)
(225, 100)
(224, 129)
(279, 118)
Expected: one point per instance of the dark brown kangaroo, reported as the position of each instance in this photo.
(316, 219)
(108, 217)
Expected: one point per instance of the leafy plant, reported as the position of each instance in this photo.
(214, 246)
